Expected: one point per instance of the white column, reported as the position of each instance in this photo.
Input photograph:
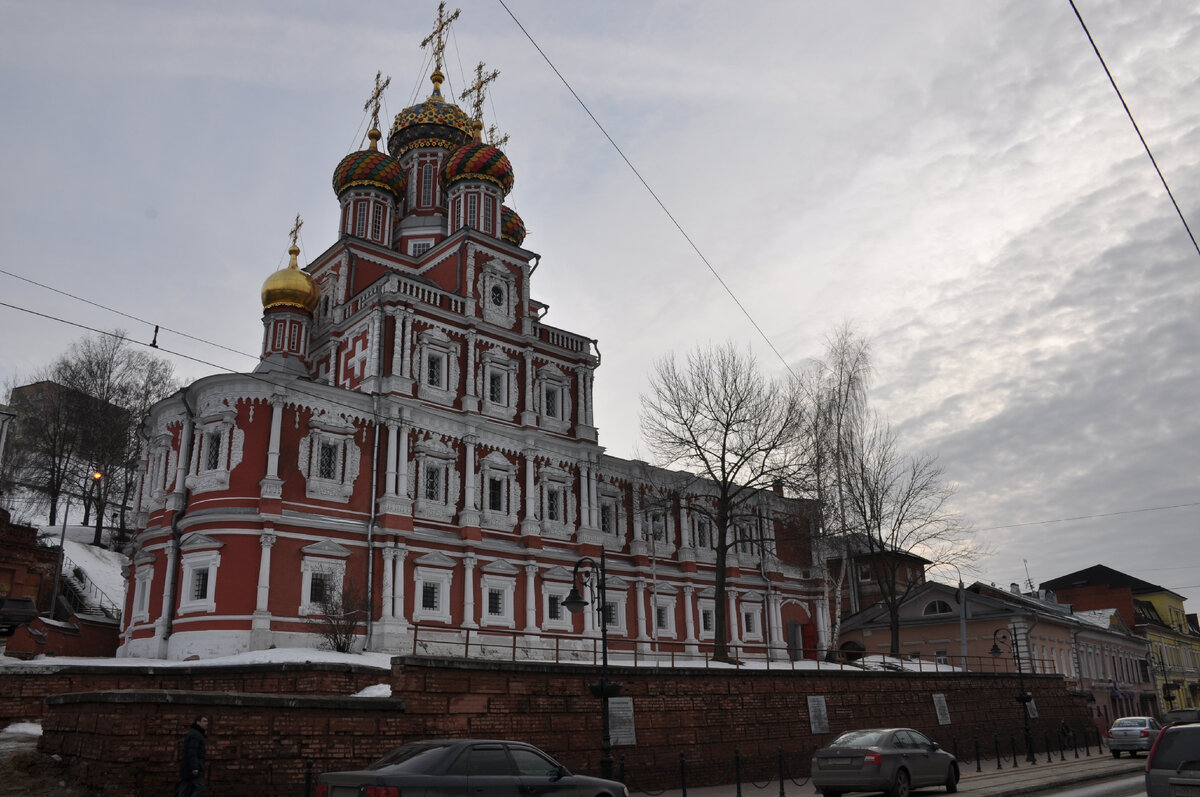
(469, 477)
(689, 619)
(585, 506)
(593, 500)
(469, 591)
(273, 445)
(735, 622)
(470, 364)
(580, 396)
(402, 461)
(266, 541)
(639, 588)
(529, 525)
(398, 583)
(389, 482)
(404, 344)
(531, 602)
(389, 553)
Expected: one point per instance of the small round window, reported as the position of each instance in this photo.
(498, 295)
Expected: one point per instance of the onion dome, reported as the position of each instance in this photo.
(290, 287)
(370, 167)
(512, 229)
(432, 123)
(479, 161)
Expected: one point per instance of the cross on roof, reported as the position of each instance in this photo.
(476, 94)
(495, 139)
(295, 231)
(437, 38)
(377, 97)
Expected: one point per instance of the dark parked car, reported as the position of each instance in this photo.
(1132, 734)
(894, 760)
(1181, 715)
(1173, 766)
(458, 767)
(15, 612)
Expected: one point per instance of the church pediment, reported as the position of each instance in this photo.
(435, 559)
(326, 548)
(501, 567)
(197, 542)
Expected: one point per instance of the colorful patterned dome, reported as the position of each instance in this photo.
(512, 229)
(370, 167)
(479, 161)
(290, 287)
(432, 123)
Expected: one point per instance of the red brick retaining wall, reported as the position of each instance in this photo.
(260, 743)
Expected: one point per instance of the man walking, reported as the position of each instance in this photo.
(191, 766)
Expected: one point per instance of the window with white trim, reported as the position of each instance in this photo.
(377, 222)
(427, 185)
(864, 573)
(216, 451)
(199, 581)
(321, 580)
(553, 400)
(419, 247)
(435, 369)
(473, 211)
(664, 615)
(497, 380)
(143, 577)
(433, 591)
(212, 450)
(433, 482)
(708, 617)
(555, 616)
(614, 614)
(329, 458)
(752, 622)
(500, 491)
(608, 516)
(489, 213)
(498, 600)
(360, 219)
(937, 607)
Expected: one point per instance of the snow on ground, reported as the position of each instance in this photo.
(22, 729)
(103, 567)
(382, 661)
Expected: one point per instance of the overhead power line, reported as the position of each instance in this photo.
(1136, 129)
(650, 190)
(1090, 517)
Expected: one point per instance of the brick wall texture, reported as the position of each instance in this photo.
(122, 732)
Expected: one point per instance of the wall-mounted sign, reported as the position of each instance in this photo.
(620, 721)
(818, 715)
(943, 711)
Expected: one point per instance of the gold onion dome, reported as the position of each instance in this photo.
(290, 287)
(370, 167)
(479, 161)
(512, 229)
(432, 123)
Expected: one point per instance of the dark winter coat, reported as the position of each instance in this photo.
(193, 753)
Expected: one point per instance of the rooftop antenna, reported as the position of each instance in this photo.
(1028, 580)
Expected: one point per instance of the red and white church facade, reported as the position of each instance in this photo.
(416, 433)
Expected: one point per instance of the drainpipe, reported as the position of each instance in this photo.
(185, 455)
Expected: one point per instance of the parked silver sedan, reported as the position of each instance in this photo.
(1132, 734)
(894, 760)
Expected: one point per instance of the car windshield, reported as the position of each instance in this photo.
(1130, 722)
(859, 739)
(414, 757)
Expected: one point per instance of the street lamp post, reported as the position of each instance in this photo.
(604, 689)
(1023, 697)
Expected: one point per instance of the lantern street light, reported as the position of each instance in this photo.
(604, 688)
(1001, 635)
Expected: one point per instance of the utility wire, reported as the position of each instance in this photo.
(1091, 517)
(1133, 121)
(111, 310)
(650, 190)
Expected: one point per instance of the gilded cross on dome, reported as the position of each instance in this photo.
(437, 38)
(295, 231)
(373, 103)
(495, 139)
(476, 94)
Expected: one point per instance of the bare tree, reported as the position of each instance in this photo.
(81, 418)
(340, 612)
(834, 392)
(900, 504)
(718, 418)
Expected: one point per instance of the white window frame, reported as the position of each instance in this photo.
(554, 480)
(752, 614)
(219, 427)
(194, 563)
(433, 342)
(311, 565)
(564, 621)
(665, 603)
(551, 378)
(420, 247)
(706, 606)
(444, 581)
(340, 435)
(427, 185)
(507, 587)
(143, 578)
(617, 601)
(864, 574)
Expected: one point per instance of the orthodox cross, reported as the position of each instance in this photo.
(437, 38)
(495, 139)
(376, 97)
(476, 94)
(295, 231)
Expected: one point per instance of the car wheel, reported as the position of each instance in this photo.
(1116, 753)
(952, 779)
(900, 785)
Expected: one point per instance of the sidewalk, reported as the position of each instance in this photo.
(1024, 779)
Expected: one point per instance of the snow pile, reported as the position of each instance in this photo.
(23, 729)
(381, 661)
(375, 690)
(102, 566)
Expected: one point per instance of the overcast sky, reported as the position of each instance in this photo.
(957, 180)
